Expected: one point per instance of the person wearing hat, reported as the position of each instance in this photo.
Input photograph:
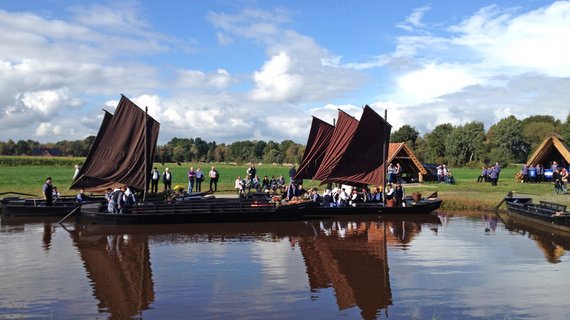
(48, 192)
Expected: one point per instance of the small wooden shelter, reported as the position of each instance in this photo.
(412, 168)
(551, 149)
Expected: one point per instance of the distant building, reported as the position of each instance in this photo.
(46, 152)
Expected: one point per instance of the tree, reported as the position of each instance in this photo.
(565, 129)
(435, 143)
(536, 128)
(507, 142)
(465, 143)
(407, 134)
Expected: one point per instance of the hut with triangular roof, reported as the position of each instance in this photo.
(553, 148)
(412, 168)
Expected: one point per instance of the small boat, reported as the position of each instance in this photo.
(197, 211)
(35, 207)
(31, 208)
(547, 214)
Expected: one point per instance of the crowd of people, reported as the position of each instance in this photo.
(350, 196)
(556, 174)
(444, 174)
(490, 174)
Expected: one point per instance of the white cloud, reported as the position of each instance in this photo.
(414, 19)
(220, 79)
(46, 129)
(276, 81)
(433, 81)
(537, 41)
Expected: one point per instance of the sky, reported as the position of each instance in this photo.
(227, 70)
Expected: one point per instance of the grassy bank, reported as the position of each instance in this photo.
(465, 194)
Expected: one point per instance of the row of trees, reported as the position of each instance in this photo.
(508, 141)
(180, 150)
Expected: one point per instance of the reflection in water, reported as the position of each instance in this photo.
(119, 268)
(552, 243)
(349, 256)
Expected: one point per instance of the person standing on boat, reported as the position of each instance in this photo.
(343, 198)
(199, 179)
(154, 177)
(399, 194)
(251, 172)
(48, 192)
(390, 201)
(167, 180)
(81, 197)
(191, 179)
(214, 177)
(292, 173)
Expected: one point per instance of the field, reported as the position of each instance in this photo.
(465, 194)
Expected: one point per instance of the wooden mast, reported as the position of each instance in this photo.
(145, 152)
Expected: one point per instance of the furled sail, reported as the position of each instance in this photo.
(340, 140)
(362, 161)
(319, 138)
(117, 156)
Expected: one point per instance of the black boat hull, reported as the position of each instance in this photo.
(524, 209)
(197, 211)
(38, 210)
(422, 207)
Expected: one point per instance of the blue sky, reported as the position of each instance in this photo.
(233, 70)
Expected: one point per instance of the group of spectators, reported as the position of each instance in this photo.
(351, 196)
(538, 174)
(444, 174)
(490, 174)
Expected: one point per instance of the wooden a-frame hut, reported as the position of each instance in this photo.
(412, 168)
(551, 149)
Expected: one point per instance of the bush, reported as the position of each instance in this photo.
(16, 161)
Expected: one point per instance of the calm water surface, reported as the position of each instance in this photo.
(449, 266)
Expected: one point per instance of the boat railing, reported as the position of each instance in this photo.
(204, 207)
(554, 206)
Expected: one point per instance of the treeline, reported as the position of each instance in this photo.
(179, 150)
(508, 141)
(182, 149)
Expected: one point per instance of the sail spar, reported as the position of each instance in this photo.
(117, 156)
(319, 138)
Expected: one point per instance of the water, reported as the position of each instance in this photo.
(468, 266)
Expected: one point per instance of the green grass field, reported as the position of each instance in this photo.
(465, 194)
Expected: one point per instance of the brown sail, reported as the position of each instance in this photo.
(117, 156)
(340, 140)
(319, 138)
(362, 160)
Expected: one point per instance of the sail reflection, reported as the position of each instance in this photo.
(348, 256)
(119, 268)
(552, 243)
(351, 257)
